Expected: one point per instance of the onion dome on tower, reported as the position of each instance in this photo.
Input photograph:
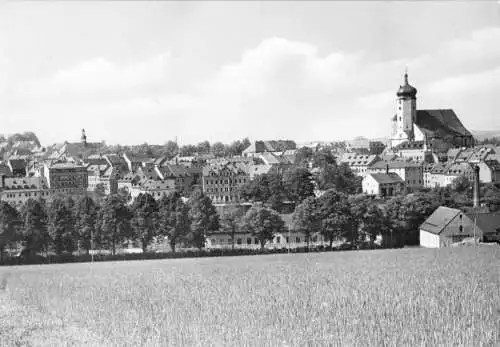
(407, 90)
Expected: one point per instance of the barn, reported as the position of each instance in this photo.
(446, 226)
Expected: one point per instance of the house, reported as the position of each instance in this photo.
(17, 190)
(104, 175)
(358, 163)
(489, 171)
(268, 146)
(412, 173)
(135, 161)
(287, 239)
(75, 151)
(66, 177)
(179, 173)
(222, 182)
(446, 226)
(383, 184)
(442, 175)
(17, 167)
(157, 189)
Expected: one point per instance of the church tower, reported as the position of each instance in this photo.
(406, 113)
(84, 138)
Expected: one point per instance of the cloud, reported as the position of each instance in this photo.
(280, 88)
(100, 78)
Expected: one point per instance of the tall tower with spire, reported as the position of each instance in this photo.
(84, 138)
(406, 113)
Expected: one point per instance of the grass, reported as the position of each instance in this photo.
(417, 297)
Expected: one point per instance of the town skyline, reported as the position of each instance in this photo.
(199, 72)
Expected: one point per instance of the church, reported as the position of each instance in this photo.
(417, 133)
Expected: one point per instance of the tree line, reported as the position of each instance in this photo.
(67, 224)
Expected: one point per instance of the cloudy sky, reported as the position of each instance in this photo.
(134, 72)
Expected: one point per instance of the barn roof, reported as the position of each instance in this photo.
(439, 219)
(488, 223)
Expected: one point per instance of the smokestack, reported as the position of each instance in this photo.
(476, 187)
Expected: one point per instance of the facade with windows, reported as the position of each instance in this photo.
(222, 182)
(16, 191)
(410, 172)
(66, 178)
(285, 240)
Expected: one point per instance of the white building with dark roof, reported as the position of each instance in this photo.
(383, 184)
(447, 226)
(359, 163)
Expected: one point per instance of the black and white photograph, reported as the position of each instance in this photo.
(249, 173)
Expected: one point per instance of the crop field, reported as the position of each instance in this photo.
(415, 297)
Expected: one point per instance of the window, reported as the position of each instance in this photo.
(212, 241)
(287, 240)
(256, 241)
(297, 239)
(278, 239)
(238, 241)
(460, 228)
(249, 241)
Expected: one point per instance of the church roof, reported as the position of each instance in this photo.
(441, 123)
(407, 90)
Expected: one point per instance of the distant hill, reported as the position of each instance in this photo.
(485, 134)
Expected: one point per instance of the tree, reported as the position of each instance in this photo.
(60, 226)
(85, 215)
(245, 143)
(335, 214)
(203, 147)
(114, 222)
(174, 219)
(358, 205)
(372, 223)
(322, 158)
(145, 219)
(124, 194)
(303, 156)
(231, 220)
(9, 219)
(218, 149)
(171, 149)
(203, 216)
(490, 194)
(461, 184)
(34, 230)
(187, 150)
(298, 184)
(262, 223)
(306, 218)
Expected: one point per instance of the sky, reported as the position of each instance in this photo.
(134, 72)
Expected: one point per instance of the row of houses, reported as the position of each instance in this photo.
(220, 178)
(387, 173)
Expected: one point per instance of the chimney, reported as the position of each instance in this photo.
(476, 187)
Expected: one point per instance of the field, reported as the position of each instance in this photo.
(357, 298)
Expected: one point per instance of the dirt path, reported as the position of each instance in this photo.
(24, 326)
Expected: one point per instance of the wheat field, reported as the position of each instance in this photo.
(411, 297)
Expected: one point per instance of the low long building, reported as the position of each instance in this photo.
(17, 190)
